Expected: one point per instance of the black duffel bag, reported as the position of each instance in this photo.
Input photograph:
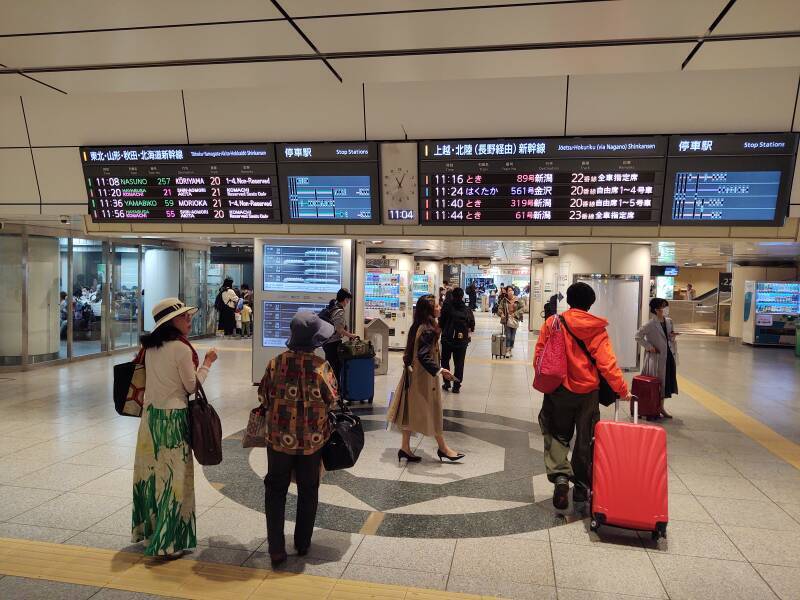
(343, 448)
(205, 429)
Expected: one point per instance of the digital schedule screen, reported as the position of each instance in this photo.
(329, 182)
(735, 179)
(595, 181)
(190, 183)
(302, 268)
(277, 318)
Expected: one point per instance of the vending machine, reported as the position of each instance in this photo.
(386, 298)
(771, 312)
(421, 285)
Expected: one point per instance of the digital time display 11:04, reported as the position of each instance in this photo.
(591, 181)
(228, 184)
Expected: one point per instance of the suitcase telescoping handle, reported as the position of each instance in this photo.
(635, 409)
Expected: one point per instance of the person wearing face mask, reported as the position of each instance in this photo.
(658, 338)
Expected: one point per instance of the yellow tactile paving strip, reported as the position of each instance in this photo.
(774, 442)
(187, 578)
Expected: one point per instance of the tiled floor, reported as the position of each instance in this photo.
(485, 527)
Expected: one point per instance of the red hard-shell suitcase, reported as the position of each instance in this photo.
(648, 390)
(629, 476)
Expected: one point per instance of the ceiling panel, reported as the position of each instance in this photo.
(297, 113)
(761, 15)
(551, 23)
(17, 85)
(21, 16)
(533, 63)
(450, 108)
(60, 176)
(153, 45)
(685, 102)
(17, 178)
(12, 123)
(304, 8)
(146, 118)
(189, 78)
(750, 54)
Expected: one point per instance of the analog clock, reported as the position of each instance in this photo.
(399, 182)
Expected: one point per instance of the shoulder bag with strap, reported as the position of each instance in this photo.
(129, 383)
(606, 395)
(343, 448)
(205, 429)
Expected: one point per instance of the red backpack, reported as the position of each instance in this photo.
(550, 369)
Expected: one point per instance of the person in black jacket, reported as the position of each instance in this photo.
(456, 322)
(472, 294)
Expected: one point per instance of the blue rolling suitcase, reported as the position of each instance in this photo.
(358, 379)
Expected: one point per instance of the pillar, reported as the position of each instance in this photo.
(43, 299)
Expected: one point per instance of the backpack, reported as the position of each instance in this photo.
(457, 331)
(326, 314)
(218, 303)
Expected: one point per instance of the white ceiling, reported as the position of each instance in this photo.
(112, 32)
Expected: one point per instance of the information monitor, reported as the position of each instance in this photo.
(277, 317)
(302, 268)
(329, 182)
(598, 181)
(219, 183)
(732, 179)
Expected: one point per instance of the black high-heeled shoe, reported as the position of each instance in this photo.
(401, 454)
(442, 456)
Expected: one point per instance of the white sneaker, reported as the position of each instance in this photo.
(508, 354)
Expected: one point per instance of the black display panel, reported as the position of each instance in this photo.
(733, 179)
(329, 182)
(598, 181)
(219, 183)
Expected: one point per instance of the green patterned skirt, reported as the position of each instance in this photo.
(163, 483)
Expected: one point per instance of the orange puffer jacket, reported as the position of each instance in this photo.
(582, 377)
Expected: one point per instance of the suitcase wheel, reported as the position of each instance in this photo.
(660, 531)
(594, 525)
(370, 399)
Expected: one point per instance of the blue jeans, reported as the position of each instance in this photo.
(511, 333)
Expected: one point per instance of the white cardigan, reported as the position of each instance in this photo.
(171, 376)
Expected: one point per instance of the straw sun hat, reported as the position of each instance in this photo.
(168, 309)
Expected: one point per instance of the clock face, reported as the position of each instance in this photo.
(399, 182)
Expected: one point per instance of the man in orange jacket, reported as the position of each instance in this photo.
(574, 407)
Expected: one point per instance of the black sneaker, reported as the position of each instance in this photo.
(561, 493)
(446, 387)
(456, 389)
(579, 493)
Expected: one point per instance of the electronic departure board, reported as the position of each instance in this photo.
(734, 179)
(540, 181)
(302, 268)
(277, 318)
(225, 183)
(329, 182)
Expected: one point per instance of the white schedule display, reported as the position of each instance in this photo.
(293, 275)
(302, 269)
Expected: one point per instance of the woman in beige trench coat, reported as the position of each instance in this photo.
(419, 393)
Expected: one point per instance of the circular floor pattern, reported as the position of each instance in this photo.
(505, 470)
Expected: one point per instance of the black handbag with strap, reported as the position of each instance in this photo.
(343, 448)
(606, 396)
(205, 429)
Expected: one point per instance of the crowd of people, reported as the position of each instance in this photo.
(299, 388)
(234, 308)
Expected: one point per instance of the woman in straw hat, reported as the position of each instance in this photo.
(163, 474)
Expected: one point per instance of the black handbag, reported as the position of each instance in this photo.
(343, 448)
(605, 395)
(205, 429)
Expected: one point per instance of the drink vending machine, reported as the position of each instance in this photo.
(771, 312)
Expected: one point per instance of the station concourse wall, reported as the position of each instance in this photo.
(40, 132)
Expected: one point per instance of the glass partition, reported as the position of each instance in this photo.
(88, 279)
(45, 306)
(194, 288)
(124, 312)
(11, 299)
